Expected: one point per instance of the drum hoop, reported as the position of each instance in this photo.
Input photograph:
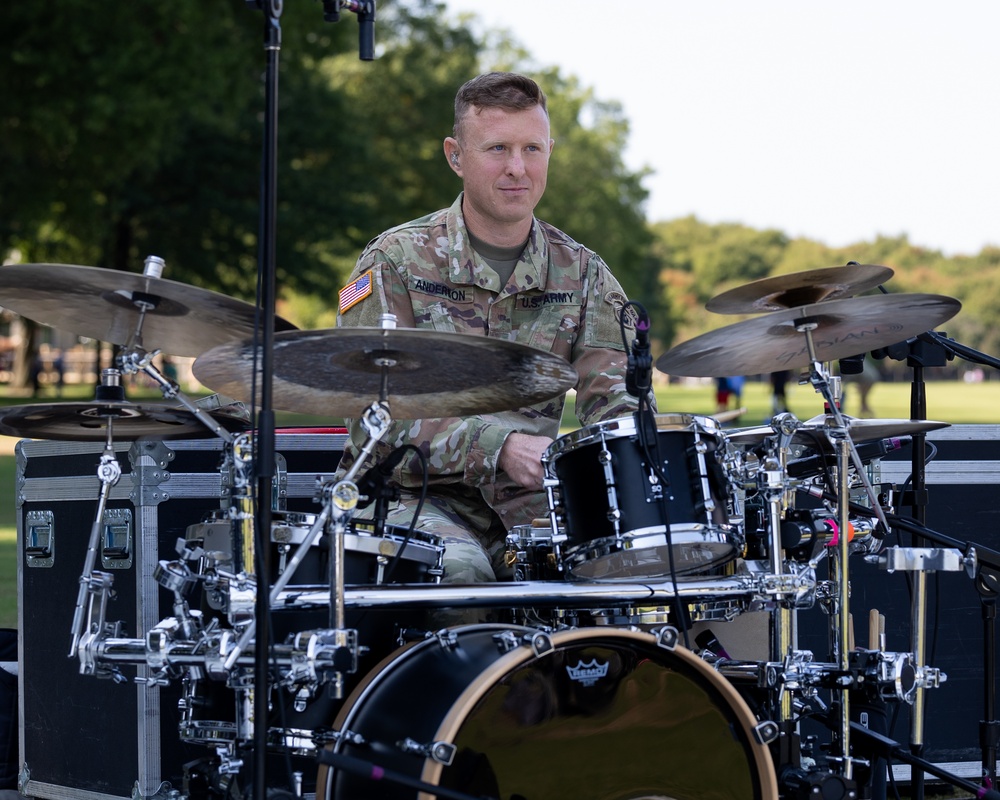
(452, 722)
(415, 550)
(586, 552)
(624, 427)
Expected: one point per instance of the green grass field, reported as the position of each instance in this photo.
(952, 402)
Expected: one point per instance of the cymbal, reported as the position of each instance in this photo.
(98, 303)
(811, 432)
(799, 288)
(338, 372)
(843, 328)
(85, 422)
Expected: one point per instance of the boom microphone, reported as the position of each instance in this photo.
(868, 451)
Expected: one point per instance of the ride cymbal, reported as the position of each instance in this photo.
(88, 421)
(339, 372)
(781, 292)
(841, 328)
(179, 319)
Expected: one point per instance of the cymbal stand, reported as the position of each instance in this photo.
(134, 357)
(108, 472)
(773, 471)
(339, 500)
(846, 452)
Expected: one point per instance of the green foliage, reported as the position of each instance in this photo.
(143, 134)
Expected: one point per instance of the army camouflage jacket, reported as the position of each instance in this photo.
(561, 298)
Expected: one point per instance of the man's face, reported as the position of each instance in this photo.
(503, 161)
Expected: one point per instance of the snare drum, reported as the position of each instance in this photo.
(367, 557)
(623, 520)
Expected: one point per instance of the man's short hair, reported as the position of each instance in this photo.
(506, 90)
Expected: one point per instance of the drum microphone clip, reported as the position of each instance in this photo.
(639, 372)
(373, 482)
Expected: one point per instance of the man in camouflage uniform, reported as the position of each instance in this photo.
(486, 266)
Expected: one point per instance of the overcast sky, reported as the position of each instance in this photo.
(836, 121)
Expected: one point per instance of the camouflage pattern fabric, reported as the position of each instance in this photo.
(561, 298)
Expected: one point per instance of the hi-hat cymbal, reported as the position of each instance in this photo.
(98, 303)
(780, 292)
(86, 422)
(338, 372)
(843, 328)
(811, 432)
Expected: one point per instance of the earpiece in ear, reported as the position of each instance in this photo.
(454, 159)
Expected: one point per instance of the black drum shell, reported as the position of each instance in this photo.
(599, 714)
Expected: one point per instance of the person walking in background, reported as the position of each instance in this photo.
(863, 382)
(722, 392)
(779, 381)
(726, 390)
(736, 390)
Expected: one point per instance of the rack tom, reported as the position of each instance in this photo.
(641, 510)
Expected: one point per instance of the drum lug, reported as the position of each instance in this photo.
(447, 638)
(765, 732)
(442, 752)
(667, 637)
(541, 643)
(506, 641)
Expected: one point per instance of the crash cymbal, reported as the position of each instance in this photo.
(843, 328)
(799, 288)
(339, 371)
(86, 422)
(98, 303)
(812, 432)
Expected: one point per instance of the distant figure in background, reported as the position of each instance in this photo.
(722, 393)
(779, 380)
(59, 365)
(863, 381)
(727, 389)
(736, 389)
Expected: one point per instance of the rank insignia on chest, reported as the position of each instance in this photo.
(356, 291)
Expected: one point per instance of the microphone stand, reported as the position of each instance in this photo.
(265, 456)
(932, 349)
(265, 438)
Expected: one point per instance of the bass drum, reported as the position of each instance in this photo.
(510, 712)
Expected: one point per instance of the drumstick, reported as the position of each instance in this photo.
(850, 631)
(873, 632)
(881, 631)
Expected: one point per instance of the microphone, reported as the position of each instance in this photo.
(639, 372)
(814, 465)
(376, 477)
(852, 365)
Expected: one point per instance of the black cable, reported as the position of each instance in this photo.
(424, 470)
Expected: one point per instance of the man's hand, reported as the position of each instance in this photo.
(521, 459)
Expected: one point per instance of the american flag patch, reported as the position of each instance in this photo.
(356, 291)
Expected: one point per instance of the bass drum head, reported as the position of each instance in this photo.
(581, 713)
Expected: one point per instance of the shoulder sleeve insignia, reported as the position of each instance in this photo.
(356, 291)
(617, 301)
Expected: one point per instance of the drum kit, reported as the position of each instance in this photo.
(603, 646)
